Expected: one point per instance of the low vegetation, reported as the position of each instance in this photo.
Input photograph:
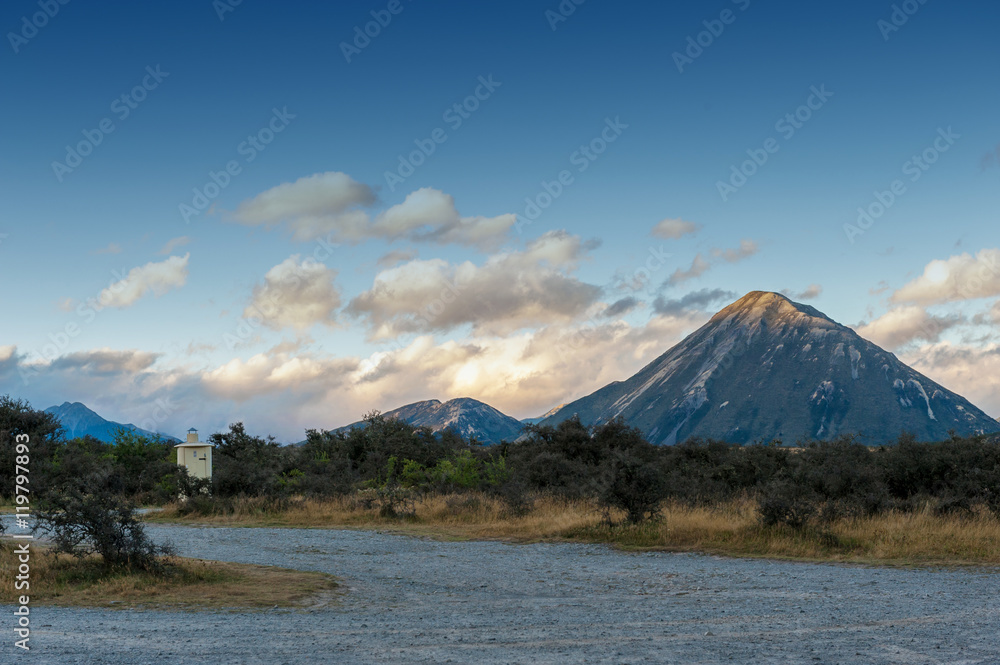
(62, 579)
(733, 528)
(926, 502)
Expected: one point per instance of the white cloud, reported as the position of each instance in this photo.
(155, 278)
(277, 374)
(510, 291)
(395, 257)
(811, 292)
(961, 277)
(672, 229)
(430, 215)
(903, 325)
(700, 265)
(694, 301)
(972, 372)
(296, 294)
(332, 203)
(287, 389)
(174, 243)
(746, 249)
(312, 206)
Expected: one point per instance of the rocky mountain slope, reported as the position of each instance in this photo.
(78, 420)
(465, 416)
(768, 368)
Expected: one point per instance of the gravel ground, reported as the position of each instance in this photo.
(411, 600)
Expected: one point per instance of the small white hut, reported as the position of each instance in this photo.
(195, 456)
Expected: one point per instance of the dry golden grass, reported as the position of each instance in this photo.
(732, 529)
(188, 584)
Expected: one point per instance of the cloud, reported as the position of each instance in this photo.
(510, 291)
(812, 292)
(904, 325)
(700, 265)
(620, 307)
(273, 373)
(155, 278)
(312, 207)
(972, 372)
(746, 249)
(394, 258)
(882, 287)
(173, 244)
(112, 248)
(287, 389)
(430, 215)
(331, 204)
(696, 300)
(295, 294)
(961, 277)
(672, 229)
(105, 362)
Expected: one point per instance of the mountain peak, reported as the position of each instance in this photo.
(770, 307)
(77, 420)
(766, 367)
(465, 415)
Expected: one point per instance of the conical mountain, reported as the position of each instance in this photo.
(768, 368)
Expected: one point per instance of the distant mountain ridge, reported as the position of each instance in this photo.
(466, 416)
(78, 420)
(535, 421)
(768, 368)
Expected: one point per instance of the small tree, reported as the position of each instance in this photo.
(635, 486)
(98, 521)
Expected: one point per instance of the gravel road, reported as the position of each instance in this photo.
(419, 601)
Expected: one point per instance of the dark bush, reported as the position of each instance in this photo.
(633, 485)
(96, 520)
(786, 502)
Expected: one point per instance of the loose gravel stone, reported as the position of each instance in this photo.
(410, 600)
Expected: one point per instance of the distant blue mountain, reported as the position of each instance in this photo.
(77, 421)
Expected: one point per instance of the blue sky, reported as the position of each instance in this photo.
(353, 332)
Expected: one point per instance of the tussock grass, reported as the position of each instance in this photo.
(186, 584)
(732, 528)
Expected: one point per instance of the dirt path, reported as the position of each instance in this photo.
(421, 601)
